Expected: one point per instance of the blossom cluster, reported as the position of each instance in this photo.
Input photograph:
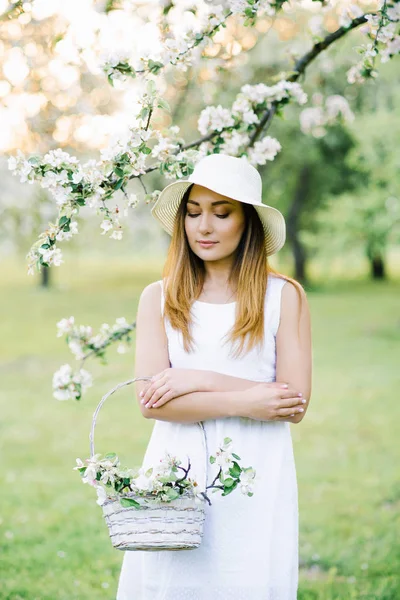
(81, 339)
(315, 119)
(68, 385)
(179, 52)
(383, 29)
(165, 482)
(231, 475)
(235, 125)
(94, 183)
(83, 342)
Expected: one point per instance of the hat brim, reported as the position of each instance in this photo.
(273, 222)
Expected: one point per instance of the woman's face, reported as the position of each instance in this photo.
(214, 224)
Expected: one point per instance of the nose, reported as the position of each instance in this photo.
(205, 224)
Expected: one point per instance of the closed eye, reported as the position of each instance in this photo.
(198, 214)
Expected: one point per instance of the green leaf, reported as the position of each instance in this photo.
(172, 493)
(212, 459)
(229, 482)
(118, 171)
(63, 221)
(146, 150)
(149, 472)
(128, 502)
(110, 455)
(235, 470)
(235, 456)
(151, 86)
(118, 184)
(227, 441)
(230, 489)
(163, 104)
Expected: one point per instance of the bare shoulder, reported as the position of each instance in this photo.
(150, 299)
(151, 292)
(294, 305)
(293, 295)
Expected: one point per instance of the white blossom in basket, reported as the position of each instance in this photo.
(247, 477)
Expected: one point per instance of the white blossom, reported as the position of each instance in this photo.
(265, 149)
(67, 235)
(132, 201)
(51, 256)
(116, 234)
(106, 226)
(101, 495)
(214, 118)
(65, 326)
(76, 348)
(68, 385)
(57, 158)
(234, 142)
(247, 477)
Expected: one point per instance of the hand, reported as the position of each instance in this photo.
(266, 402)
(170, 384)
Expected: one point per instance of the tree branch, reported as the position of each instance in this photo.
(300, 67)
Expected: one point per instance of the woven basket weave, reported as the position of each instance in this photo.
(175, 525)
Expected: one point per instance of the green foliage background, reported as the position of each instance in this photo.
(54, 544)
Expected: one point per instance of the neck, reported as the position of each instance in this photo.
(217, 273)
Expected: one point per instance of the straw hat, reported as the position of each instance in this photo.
(229, 176)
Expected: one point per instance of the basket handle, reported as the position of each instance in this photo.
(129, 382)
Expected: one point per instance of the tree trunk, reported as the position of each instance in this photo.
(378, 269)
(293, 225)
(45, 277)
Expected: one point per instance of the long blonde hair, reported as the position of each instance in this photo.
(184, 276)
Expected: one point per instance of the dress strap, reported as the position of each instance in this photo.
(274, 295)
(162, 296)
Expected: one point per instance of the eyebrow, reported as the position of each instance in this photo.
(217, 203)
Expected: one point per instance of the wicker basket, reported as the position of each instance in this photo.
(175, 525)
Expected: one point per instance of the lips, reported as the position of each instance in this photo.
(206, 244)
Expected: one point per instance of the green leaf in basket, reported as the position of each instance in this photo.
(228, 482)
(235, 470)
(128, 502)
(230, 489)
(172, 494)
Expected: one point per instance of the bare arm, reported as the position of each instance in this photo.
(152, 357)
(293, 345)
(262, 401)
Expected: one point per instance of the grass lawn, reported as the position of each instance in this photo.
(54, 543)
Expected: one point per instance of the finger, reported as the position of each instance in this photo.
(157, 395)
(153, 387)
(289, 412)
(144, 390)
(278, 384)
(163, 400)
(290, 393)
(158, 376)
(289, 402)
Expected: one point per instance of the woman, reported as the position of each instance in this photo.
(227, 340)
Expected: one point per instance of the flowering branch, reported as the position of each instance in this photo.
(161, 483)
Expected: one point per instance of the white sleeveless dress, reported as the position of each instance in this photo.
(249, 549)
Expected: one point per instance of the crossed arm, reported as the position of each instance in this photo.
(200, 395)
